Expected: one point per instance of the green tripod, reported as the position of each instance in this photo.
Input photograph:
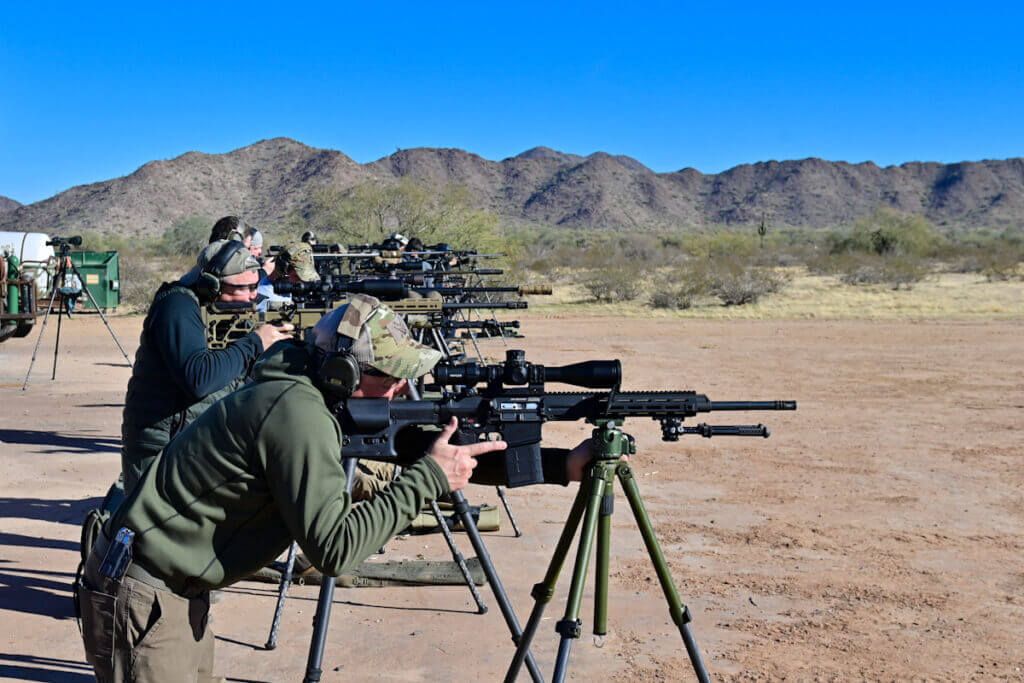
(594, 505)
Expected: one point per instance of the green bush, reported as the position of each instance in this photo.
(889, 232)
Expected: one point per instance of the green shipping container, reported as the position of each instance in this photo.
(99, 273)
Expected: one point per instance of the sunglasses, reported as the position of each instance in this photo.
(251, 288)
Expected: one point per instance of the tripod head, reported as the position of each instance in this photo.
(65, 243)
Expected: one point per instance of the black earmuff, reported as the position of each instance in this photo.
(207, 288)
(338, 372)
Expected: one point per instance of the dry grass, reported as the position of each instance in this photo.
(947, 295)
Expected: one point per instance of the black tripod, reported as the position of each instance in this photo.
(462, 510)
(63, 262)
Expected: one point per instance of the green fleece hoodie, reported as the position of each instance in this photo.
(259, 468)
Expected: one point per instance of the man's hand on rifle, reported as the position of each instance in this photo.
(270, 333)
(458, 462)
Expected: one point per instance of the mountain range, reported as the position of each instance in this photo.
(267, 181)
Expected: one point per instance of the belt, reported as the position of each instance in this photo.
(134, 570)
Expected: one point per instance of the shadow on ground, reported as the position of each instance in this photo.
(32, 591)
(32, 668)
(63, 511)
(60, 442)
(23, 541)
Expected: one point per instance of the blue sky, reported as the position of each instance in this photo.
(92, 91)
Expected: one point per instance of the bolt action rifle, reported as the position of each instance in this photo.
(228, 322)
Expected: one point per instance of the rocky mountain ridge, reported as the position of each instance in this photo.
(272, 179)
(8, 204)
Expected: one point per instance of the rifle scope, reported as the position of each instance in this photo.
(593, 374)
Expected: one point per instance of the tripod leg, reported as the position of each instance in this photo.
(459, 559)
(324, 603)
(462, 510)
(282, 593)
(604, 533)
(543, 591)
(680, 613)
(39, 339)
(102, 317)
(56, 344)
(569, 626)
(508, 511)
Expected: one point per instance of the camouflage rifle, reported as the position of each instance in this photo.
(226, 323)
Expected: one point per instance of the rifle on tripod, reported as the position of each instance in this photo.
(514, 404)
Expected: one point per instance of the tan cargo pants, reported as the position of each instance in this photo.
(371, 476)
(136, 633)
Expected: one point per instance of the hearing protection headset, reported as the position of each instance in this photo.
(207, 288)
(337, 372)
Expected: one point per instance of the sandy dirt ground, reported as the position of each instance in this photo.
(877, 535)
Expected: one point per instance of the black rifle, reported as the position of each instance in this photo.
(517, 413)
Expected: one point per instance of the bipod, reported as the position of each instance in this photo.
(594, 505)
(289, 568)
(62, 269)
(314, 663)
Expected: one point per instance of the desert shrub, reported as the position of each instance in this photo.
(141, 275)
(904, 271)
(1000, 265)
(683, 289)
(736, 281)
(618, 282)
(865, 269)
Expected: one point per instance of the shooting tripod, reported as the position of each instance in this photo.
(594, 505)
(64, 260)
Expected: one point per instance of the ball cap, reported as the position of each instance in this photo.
(239, 262)
(381, 338)
(298, 255)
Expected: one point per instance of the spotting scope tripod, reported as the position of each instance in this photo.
(63, 262)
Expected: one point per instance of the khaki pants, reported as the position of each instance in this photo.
(134, 632)
(371, 476)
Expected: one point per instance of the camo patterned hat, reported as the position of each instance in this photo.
(298, 255)
(382, 339)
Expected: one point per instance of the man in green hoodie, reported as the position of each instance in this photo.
(259, 468)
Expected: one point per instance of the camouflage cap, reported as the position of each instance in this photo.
(382, 339)
(239, 262)
(298, 255)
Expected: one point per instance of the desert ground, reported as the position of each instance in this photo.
(877, 535)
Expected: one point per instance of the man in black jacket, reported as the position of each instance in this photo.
(176, 377)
